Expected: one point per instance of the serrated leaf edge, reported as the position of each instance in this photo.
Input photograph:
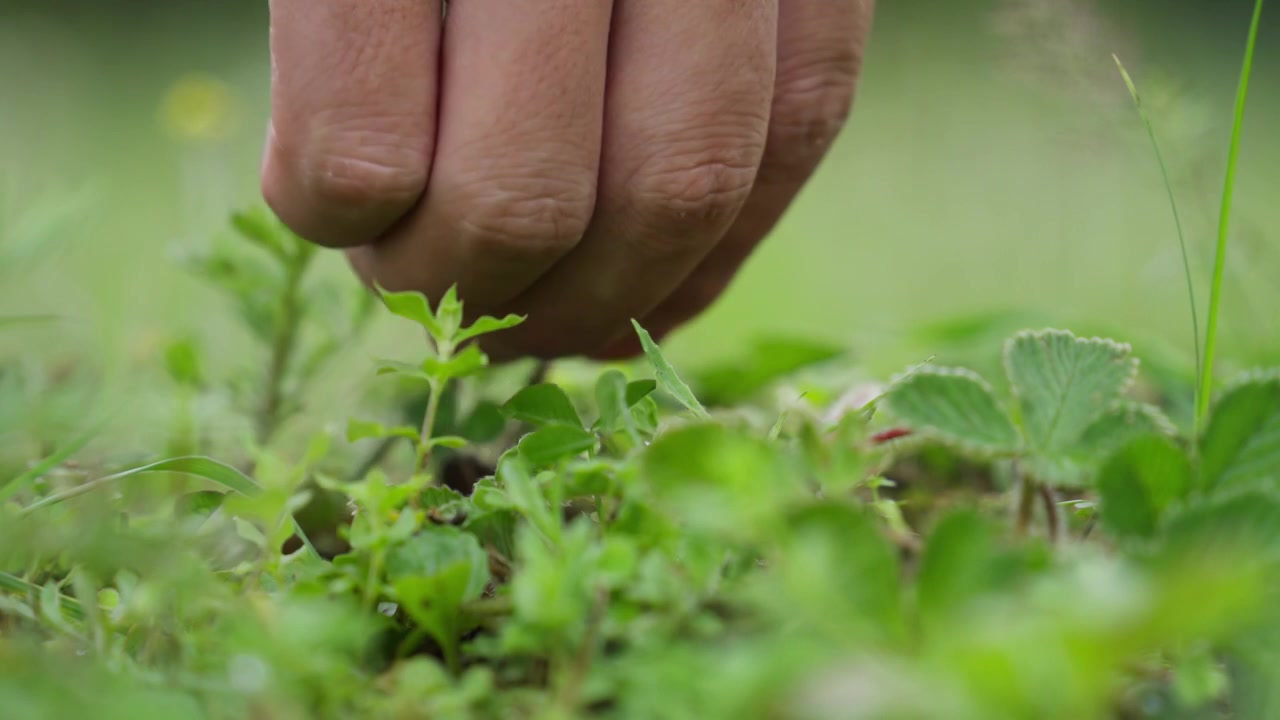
(972, 450)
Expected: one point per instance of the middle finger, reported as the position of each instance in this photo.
(686, 117)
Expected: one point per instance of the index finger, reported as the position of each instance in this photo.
(352, 131)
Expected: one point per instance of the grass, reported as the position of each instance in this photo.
(788, 535)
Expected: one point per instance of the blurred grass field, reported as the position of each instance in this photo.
(994, 163)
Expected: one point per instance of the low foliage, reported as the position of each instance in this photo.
(621, 548)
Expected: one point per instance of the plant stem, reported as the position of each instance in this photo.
(429, 424)
(1177, 223)
(282, 348)
(1224, 216)
(1053, 517)
(1026, 505)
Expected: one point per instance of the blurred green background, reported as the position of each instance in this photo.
(994, 163)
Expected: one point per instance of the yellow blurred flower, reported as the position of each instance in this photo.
(199, 108)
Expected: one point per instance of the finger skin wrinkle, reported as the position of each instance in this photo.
(531, 215)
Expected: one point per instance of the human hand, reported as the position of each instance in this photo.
(582, 162)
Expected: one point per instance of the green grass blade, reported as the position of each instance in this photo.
(16, 485)
(202, 467)
(1177, 221)
(14, 584)
(1224, 216)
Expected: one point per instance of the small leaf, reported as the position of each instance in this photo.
(555, 442)
(1139, 482)
(259, 227)
(203, 502)
(1063, 384)
(413, 306)
(182, 360)
(611, 398)
(666, 375)
(1128, 420)
(447, 441)
(638, 390)
(449, 313)
(1241, 444)
(955, 406)
(366, 429)
(403, 369)
(250, 532)
(542, 405)
(486, 325)
(467, 362)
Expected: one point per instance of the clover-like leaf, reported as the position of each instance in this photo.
(413, 306)
(1127, 420)
(954, 406)
(1139, 482)
(1063, 384)
(1241, 444)
(666, 374)
(542, 405)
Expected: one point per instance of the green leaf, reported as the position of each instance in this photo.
(467, 362)
(366, 429)
(638, 390)
(182, 360)
(259, 227)
(1139, 482)
(1130, 419)
(1241, 444)
(449, 313)
(555, 442)
(447, 441)
(542, 405)
(403, 369)
(202, 467)
(1063, 384)
(966, 560)
(433, 574)
(955, 406)
(611, 398)
(666, 375)
(413, 306)
(836, 561)
(486, 325)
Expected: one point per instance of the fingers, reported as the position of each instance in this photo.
(518, 151)
(821, 45)
(353, 114)
(686, 117)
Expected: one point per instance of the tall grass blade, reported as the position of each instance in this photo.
(1224, 216)
(1177, 221)
(37, 471)
(203, 467)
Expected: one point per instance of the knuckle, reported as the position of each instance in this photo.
(358, 165)
(700, 184)
(812, 102)
(539, 217)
